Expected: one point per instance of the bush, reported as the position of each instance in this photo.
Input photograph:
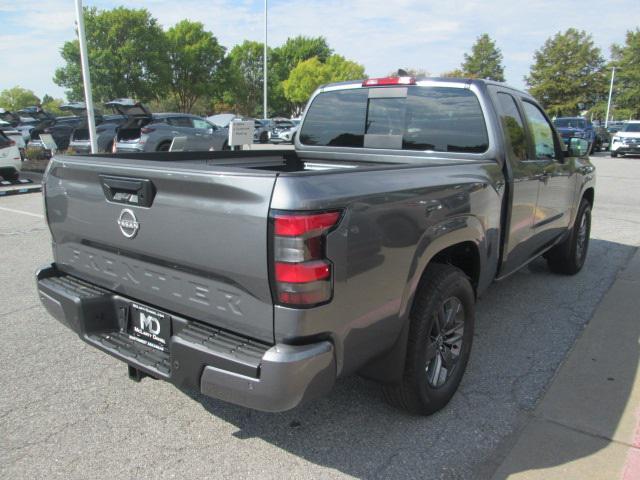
(35, 154)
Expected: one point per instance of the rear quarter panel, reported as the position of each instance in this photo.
(395, 220)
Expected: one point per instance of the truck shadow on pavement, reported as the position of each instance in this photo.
(525, 327)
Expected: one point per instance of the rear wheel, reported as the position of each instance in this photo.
(10, 174)
(614, 154)
(569, 256)
(164, 147)
(264, 137)
(439, 344)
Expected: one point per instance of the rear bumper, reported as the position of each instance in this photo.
(217, 363)
(13, 162)
(124, 147)
(81, 146)
(632, 149)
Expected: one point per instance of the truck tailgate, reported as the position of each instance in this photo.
(199, 248)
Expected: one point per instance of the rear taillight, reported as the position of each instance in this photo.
(147, 130)
(301, 271)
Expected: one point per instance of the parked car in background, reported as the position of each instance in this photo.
(22, 124)
(10, 160)
(9, 122)
(60, 128)
(281, 131)
(614, 127)
(576, 127)
(603, 138)
(153, 132)
(288, 136)
(106, 128)
(262, 129)
(627, 140)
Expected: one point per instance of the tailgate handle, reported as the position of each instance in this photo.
(130, 191)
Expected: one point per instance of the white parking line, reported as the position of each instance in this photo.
(22, 212)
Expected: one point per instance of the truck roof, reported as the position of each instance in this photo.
(422, 81)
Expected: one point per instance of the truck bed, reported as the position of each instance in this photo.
(266, 160)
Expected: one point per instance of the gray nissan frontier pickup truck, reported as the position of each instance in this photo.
(260, 277)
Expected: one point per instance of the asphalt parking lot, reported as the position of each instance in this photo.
(68, 411)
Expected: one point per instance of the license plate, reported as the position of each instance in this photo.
(149, 327)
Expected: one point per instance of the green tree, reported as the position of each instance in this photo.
(299, 49)
(308, 75)
(195, 60)
(305, 79)
(342, 69)
(284, 59)
(456, 73)
(244, 78)
(485, 60)
(567, 75)
(127, 56)
(17, 97)
(52, 105)
(626, 59)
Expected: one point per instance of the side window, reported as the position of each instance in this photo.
(513, 127)
(4, 141)
(197, 123)
(180, 122)
(541, 131)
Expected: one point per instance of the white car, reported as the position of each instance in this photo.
(627, 139)
(10, 161)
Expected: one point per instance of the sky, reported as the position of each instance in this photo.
(382, 35)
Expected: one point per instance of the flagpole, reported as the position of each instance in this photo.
(86, 79)
(264, 107)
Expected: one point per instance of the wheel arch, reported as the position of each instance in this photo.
(589, 195)
(461, 248)
(165, 141)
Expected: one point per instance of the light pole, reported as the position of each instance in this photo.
(264, 106)
(613, 75)
(86, 79)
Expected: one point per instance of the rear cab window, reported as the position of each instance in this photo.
(419, 118)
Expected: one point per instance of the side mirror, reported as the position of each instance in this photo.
(578, 147)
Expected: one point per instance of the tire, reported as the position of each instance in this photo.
(164, 147)
(569, 256)
(445, 294)
(614, 154)
(10, 174)
(264, 137)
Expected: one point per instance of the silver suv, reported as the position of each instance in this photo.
(154, 132)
